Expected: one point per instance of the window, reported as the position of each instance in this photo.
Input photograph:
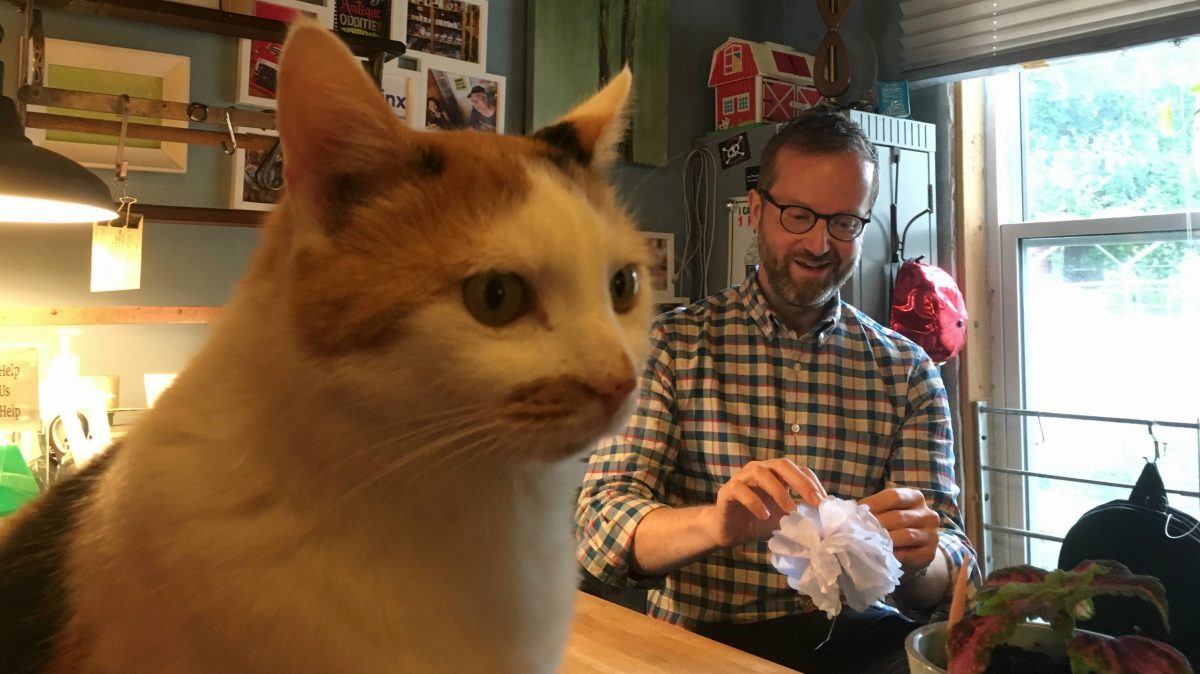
(727, 105)
(732, 58)
(1097, 181)
(743, 102)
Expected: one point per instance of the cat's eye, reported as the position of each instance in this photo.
(624, 288)
(496, 298)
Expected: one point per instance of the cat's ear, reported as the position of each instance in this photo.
(330, 112)
(591, 132)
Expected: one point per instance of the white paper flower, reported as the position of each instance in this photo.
(838, 550)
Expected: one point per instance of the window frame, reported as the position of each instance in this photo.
(732, 53)
(1005, 211)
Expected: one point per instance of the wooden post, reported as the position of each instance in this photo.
(971, 261)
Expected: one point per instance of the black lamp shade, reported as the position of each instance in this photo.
(37, 185)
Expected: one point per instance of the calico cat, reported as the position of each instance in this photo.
(367, 468)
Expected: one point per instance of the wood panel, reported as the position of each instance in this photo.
(143, 107)
(651, 88)
(24, 316)
(610, 639)
(189, 215)
(971, 260)
(105, 127)
(564, 45)
(564, 66)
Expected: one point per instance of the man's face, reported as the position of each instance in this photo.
(479, 101)
(806, 270)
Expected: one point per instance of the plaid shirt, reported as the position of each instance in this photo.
(728, 383)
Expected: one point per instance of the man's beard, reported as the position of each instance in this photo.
(808, 293)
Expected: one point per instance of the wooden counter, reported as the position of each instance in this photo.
(607, 638)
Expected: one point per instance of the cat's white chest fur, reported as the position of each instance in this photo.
(470, 580)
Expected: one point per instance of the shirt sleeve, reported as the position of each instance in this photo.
(626, 473)
(923, 459)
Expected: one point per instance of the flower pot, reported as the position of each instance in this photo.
(926, 647)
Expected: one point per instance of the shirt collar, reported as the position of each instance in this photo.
(768, 321)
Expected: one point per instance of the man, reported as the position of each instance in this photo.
(767, 392)
(483, 113)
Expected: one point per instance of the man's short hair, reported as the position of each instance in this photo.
(819, 130)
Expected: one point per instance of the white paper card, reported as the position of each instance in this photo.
(19, 403)
(117, 255)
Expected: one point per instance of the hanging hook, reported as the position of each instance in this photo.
(126, 205)
(229, 149)
(269, 174)
(1159, 447)
(122, 166)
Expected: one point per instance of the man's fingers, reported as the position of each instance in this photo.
(800, 479)
(762, 478)
(896, 498)
(904, 539)
(912, 519)
(748, 498)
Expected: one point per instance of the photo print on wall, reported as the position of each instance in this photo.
(456, 100)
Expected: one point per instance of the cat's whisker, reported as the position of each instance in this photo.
(457, 452)
(458, 445)
(415, 432)
(414, 457)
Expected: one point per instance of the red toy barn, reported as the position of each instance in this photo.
(755, 82)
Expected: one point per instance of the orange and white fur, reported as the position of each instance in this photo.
(368, 466)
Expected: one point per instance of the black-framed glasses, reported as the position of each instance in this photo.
(799, 219)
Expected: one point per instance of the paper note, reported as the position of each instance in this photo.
(117, 254)
(19, 402)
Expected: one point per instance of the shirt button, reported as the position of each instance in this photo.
(795, 428)
(796, 367)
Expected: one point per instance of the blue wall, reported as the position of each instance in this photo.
(199, 266)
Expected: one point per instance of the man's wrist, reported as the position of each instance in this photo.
(929, 586)
(706, 520)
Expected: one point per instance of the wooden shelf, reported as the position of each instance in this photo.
(27, 316)
(184, 215)
(205, 20)
(249, 141)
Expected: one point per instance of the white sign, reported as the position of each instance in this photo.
(19, 406)
(743, 246)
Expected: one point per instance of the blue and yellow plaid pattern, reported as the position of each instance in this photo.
(728, 383)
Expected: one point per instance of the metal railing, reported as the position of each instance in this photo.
(982, 410)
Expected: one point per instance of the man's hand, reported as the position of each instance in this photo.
(750, 505)
(912, 525)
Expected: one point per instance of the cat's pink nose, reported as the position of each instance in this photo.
(613, 391)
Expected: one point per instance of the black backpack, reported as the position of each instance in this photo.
(1151, 538)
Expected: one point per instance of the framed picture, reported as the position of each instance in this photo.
(662, 268)
(461, 100)
(404, 91)
(370, 18)
(258, 60)
(245, 192)
(452, 29)
(82, 66)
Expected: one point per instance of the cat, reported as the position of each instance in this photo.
(368, 466)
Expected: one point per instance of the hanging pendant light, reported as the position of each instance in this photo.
(37, 185)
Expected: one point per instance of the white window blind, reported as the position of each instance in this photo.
(940, 38)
